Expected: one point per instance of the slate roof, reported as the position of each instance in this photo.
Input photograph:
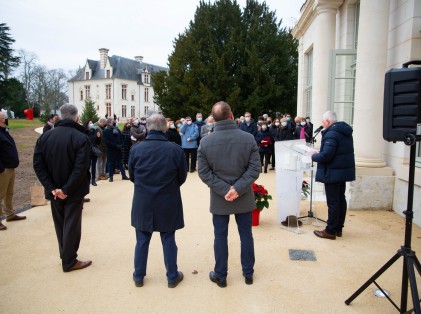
(123, 68)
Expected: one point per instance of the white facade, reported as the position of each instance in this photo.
(345, 49)
(117, 85)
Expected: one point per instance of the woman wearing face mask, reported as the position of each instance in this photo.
(265, 142)
(208, 127)
(274, 133)
(95, 139)
(127, 143)
(303, 131)
(285, 133)
(172, 133)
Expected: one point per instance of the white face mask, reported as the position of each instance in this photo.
(277, 123)
(247, 119)
(264, 127)
(188, 122)
(284, 123)
(172, 126)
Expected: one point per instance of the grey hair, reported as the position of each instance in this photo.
(331, 116)
(109, 120)
(156, 122)
(68, 111)
(102, 120)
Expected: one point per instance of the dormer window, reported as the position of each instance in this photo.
(108, 74)
(146, 78)
(87, 75)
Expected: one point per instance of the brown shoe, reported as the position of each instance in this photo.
(86, 200)
(15, 218)
(79, 265)
(339, 234)
(2, 227)
(324, 235)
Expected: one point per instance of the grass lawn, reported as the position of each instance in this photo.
(23, 123)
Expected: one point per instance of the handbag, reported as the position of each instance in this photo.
(96, 151)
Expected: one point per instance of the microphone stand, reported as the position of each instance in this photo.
(310, 213)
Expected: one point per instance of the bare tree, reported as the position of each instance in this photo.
(26, 76)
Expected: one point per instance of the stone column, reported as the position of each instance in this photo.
(373, 187)
(369, 87)
(324, 41)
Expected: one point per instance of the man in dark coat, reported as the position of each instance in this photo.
(229, 164)
(335, 166)
(249, 125)
(158, 168)
(114, 142)
(61, 163)
(9, 160)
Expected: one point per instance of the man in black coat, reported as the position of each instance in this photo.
(61, 163)
(335, 166)
(9, 160)
(114, 142)
(158, 168)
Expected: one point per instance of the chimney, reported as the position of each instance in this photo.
(139, 58)
(103, 56)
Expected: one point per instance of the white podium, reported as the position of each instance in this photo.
(291, 161)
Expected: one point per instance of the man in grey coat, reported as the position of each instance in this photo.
(229, 164)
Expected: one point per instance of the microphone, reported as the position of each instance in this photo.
(319, 129)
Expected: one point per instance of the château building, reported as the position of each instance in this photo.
(345, 49)
(117, 85)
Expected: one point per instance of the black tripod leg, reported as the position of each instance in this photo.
(373, 278)
(413, 284)
(417, 265)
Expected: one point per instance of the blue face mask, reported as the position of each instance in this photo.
(179, 125)
(199, 119)
(172, 126)
(284, 123)
(91, 126)
(303, 123)
(288, 118)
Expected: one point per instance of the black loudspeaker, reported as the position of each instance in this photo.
(402, 104)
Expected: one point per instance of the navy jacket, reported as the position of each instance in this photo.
(8, 152)
(158, 168)
(62, 160)
(261, 135)
(336, 161)
(114, 142)
(251, 128)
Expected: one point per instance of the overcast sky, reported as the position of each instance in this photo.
(63, 34)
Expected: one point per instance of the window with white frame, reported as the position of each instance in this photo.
(132, 97)
(88, 91)
(123, 111)
(146, 110)
(108, 74)
(133, 112)
(108, 109)
(81, 95)
(146, 78)
(86, 75)
(108, 91)
(309, 84)
(342, 83)
(146, 94)
(124, 91)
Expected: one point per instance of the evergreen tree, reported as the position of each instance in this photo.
(89, 112)
(12, 96)
(243, 57)
(7, 60)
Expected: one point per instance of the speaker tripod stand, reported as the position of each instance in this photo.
(410, 261)
(310, 213)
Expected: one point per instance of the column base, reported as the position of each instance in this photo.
(372, 190)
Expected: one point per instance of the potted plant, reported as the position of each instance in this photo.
(305, 189)
(261, 197)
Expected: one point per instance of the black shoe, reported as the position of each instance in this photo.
(272, 168)
(177, 281)
(94, 184)
(111, 179)
(138, 283)
(222, 283)
(191, 171)
(125, 178)
(266, 171)
(248, 280)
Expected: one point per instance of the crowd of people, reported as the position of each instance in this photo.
(71, 156)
